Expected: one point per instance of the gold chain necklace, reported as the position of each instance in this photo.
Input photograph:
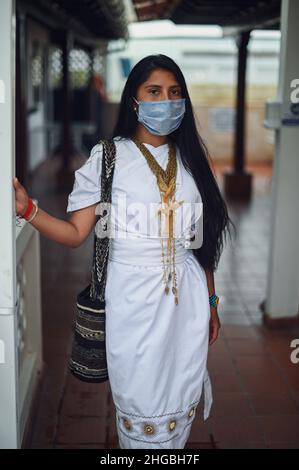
(166, 180)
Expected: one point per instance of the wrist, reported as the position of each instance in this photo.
(29, 208)
(32, 212)
(213, 300)
(21, 214)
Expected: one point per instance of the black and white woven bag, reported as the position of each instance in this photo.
(88, 356)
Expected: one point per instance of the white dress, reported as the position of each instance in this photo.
(156, 350)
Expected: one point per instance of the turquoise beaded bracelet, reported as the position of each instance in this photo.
(214, 300)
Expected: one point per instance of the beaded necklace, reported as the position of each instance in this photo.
(166, 180)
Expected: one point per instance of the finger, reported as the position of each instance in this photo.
(17, 183)
(213, 335)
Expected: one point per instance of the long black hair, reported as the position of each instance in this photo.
(194, 155)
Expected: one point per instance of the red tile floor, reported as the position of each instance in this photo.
(255, 385)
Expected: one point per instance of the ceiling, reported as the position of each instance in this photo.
(102, 19)
(107, 19)
(233, 15)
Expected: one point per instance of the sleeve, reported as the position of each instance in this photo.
(87, 185)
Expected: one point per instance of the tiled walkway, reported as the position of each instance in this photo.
(255, 385)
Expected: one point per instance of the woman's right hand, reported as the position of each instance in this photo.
(21, 197)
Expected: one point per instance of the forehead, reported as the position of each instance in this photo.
(161, 77)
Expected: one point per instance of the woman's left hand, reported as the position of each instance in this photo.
(214, 325)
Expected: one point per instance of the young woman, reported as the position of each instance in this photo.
(161, 305)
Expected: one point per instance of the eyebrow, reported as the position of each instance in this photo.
(159, 86)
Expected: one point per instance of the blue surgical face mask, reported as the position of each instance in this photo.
(161, 117)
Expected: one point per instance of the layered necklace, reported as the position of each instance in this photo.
(166, 180)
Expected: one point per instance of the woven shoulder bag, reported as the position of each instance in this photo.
(88, 354)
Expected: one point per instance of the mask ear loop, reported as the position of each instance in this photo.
(135, 109)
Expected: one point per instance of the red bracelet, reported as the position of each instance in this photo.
(28, 210)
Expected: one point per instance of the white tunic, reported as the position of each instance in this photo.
(156, 350)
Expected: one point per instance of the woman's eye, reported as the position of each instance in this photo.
(173, 92)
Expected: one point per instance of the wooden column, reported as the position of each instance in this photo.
(66, 143)
(238, 183)
(65, 174)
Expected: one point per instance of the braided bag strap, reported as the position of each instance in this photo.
(102, 238)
